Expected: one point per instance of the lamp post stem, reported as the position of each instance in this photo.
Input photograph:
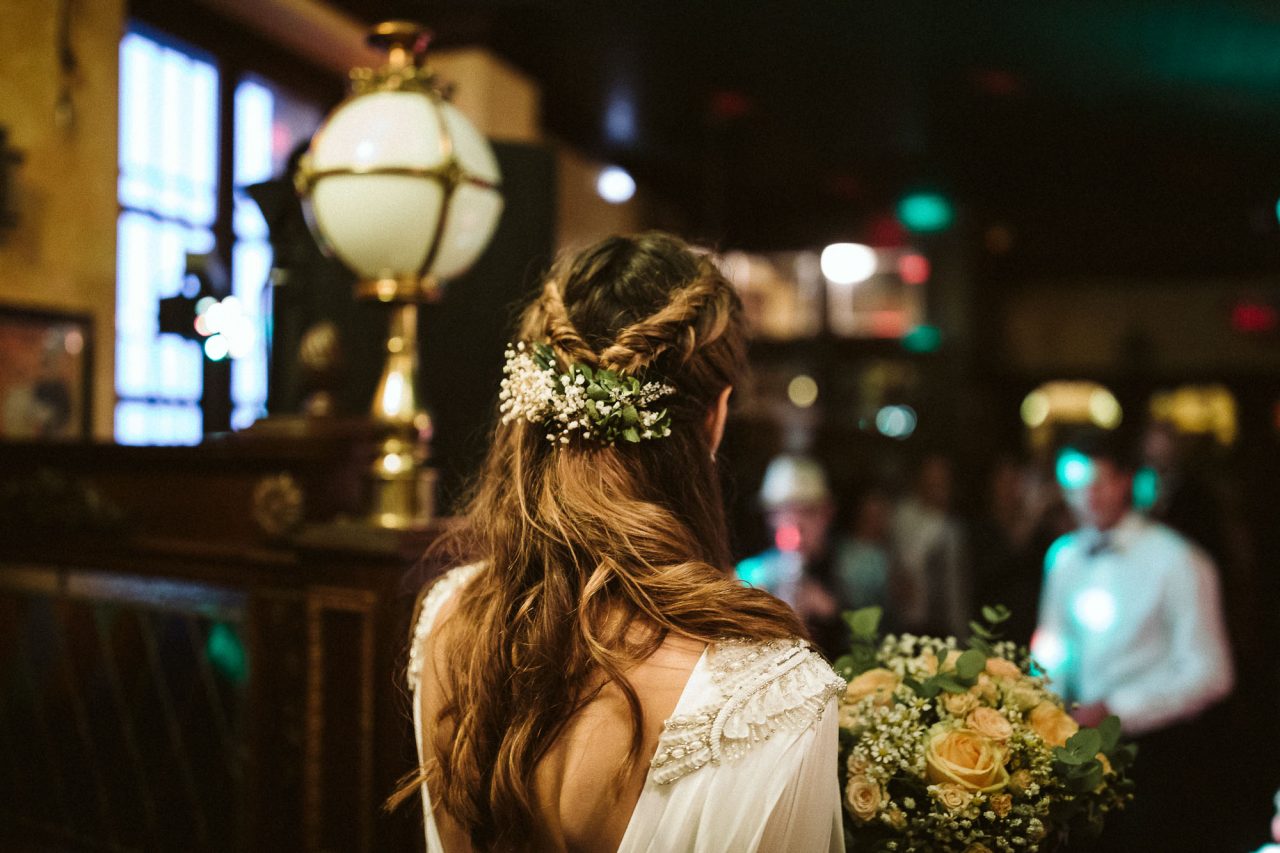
(403, 487)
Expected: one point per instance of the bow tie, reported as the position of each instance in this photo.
(1102, 544)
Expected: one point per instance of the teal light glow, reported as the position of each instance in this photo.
(922, 339)
(1074, 469)
(226, 653)
(1146, 488)
(753, 571)
(925, 212)
(1055, 551)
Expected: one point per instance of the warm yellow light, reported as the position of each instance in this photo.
(803, 391)
(1104, 409)
(1035, 409)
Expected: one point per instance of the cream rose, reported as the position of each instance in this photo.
(897, 817)
(1023, 695)
(1053, 724)
(990, 723)
(1001, 668)
(952, 796)
(959, 704)
(863, 797)
(966, 758)
(879, 683)
(1001, 804)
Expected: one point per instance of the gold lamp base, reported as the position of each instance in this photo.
(402, 486)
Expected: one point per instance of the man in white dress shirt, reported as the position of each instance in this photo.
(1131, 624)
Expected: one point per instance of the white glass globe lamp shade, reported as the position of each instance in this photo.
(402, 189)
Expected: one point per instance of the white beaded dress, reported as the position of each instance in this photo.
(747, 762)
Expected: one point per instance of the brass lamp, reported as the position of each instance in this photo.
(401, 188)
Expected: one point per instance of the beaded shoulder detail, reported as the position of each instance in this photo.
(765, 687)
(452, 581)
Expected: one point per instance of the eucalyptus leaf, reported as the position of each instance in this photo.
(1109, 729)
(995, 614)
(1085, 742)
(864, 623)
(970, 664)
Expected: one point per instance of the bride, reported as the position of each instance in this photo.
(592, 677)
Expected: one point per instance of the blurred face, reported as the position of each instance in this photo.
(801, 528)
(935, 483)
(873, 518)
(1106, 498)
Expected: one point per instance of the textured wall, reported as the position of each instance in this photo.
(62, 255)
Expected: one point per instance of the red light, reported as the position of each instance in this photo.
(1253, 317)
(787, 538)
(727, 105)
(886, 231)
(913, 269)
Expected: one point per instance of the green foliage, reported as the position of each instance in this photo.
(864, 623)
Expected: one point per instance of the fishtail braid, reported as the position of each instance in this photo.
(561, 333)
(682, 325)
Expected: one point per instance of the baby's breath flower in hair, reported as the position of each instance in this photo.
(597, 405)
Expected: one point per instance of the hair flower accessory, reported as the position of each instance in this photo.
(596, 404)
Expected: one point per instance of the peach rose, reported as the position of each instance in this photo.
(966, 758)
(952, 796)
(928, 662)
(863, 797)
(952, 656)
(858, 766)
(990, 723)
(977, 848)
(1001, 803)
(985, 689)
(1053, 724)
(1106, 764)
(879, 683)
(1001, 668)
(897, 817)
(959, 704)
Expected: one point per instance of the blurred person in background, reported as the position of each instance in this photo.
(929, 587)
(862, 565)
(799, 569)
(1131, 624)
(1019, 523)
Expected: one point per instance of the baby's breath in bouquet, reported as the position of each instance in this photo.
(950, 748)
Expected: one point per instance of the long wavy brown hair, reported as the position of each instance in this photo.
(593, 554)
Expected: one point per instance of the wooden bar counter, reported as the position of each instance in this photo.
(200, 649)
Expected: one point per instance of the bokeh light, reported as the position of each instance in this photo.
(896, 421)
(802, 391)
(848, 263)
(615, 185)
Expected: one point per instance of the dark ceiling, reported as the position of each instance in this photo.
(1116, 135)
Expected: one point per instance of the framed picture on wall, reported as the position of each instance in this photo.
(45, 375)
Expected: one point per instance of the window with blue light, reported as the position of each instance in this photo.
(170, 162)
(168, 194)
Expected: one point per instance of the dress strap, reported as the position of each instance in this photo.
(764, 687)
(440, 592)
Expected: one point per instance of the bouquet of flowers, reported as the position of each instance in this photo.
(945, 748)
